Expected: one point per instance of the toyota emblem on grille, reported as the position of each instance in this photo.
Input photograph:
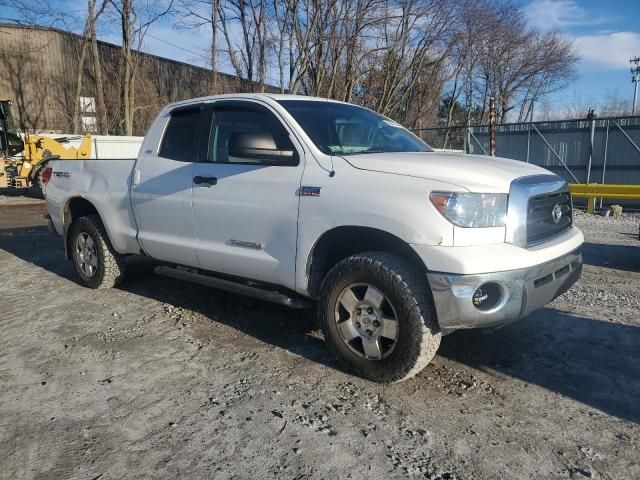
(556, 213)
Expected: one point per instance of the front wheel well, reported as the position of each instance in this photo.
(341, 242)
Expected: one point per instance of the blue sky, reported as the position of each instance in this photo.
(606, 34)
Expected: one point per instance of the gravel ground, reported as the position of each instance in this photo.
(161, 379)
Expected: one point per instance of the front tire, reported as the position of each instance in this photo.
(98, 265)
(378, 317)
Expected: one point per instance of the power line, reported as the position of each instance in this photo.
(200, 55)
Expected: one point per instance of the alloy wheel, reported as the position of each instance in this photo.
(87, 254)
(366, 321)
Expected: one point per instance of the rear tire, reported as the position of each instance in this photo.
(378, 318)
(98, 265)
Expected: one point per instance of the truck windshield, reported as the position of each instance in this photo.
(343, 129)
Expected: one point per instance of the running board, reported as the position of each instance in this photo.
(233, 287)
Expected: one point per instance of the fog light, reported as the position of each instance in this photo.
(487, 296)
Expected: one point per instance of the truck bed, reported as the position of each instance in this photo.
(105, 184)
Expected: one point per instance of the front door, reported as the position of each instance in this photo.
(245, 206)
(161, 189)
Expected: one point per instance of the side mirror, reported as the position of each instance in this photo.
(257, 146)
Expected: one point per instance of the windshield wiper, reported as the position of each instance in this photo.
(369, 150)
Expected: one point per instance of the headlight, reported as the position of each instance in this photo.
(472, 210)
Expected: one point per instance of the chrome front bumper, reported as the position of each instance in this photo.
(522, 291)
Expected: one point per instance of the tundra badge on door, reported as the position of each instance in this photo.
(308, 191)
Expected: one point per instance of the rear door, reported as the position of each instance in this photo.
(161, 188)
(246, 209)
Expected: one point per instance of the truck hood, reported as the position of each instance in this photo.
(476, 173)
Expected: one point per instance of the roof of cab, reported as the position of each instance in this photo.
(257, 96)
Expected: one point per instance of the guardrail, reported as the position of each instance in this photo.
(591, 191)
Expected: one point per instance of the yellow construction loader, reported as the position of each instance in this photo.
(23, 158)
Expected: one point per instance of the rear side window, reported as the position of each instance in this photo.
(181, 136)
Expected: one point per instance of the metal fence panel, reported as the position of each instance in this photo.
(623, 158)
(452, 138)
(564, 147)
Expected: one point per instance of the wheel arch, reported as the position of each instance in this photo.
(75, 208)
(33, 173)
(341, 242)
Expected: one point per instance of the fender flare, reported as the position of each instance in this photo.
(67, 221)
(375, 239)
(33, 174)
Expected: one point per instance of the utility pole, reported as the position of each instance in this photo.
(492, 126)
(591, 117)
(635, 78)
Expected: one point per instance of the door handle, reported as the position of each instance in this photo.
(198, 180)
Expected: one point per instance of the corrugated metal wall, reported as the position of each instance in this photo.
(32, 76)
(39, 70)
(549, 144)
(614, 158)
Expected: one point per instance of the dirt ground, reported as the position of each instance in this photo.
(162, 379)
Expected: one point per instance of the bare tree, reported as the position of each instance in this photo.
(373, 52)
(415, 38)
(359, 23)
(79, 77)
(89, 34)
(305, 19)
(614, 105)
(101, 112)
(283, 13)
(473, 22)
(135, 22)
(552, 66)
(199, 13)
(417, 61)
(39, 12)
(516, 60)
(247, 51)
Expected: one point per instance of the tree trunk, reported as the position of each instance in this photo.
(262, 46)
(79, 77)
(101, 112)
(127, 108)
(214, 47)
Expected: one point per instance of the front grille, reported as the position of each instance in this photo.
(541, 224)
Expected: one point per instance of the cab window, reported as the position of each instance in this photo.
(181, 135)
(249, 135)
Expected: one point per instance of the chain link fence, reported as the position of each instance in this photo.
(446, 139)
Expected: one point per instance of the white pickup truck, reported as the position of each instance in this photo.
(297, 200)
